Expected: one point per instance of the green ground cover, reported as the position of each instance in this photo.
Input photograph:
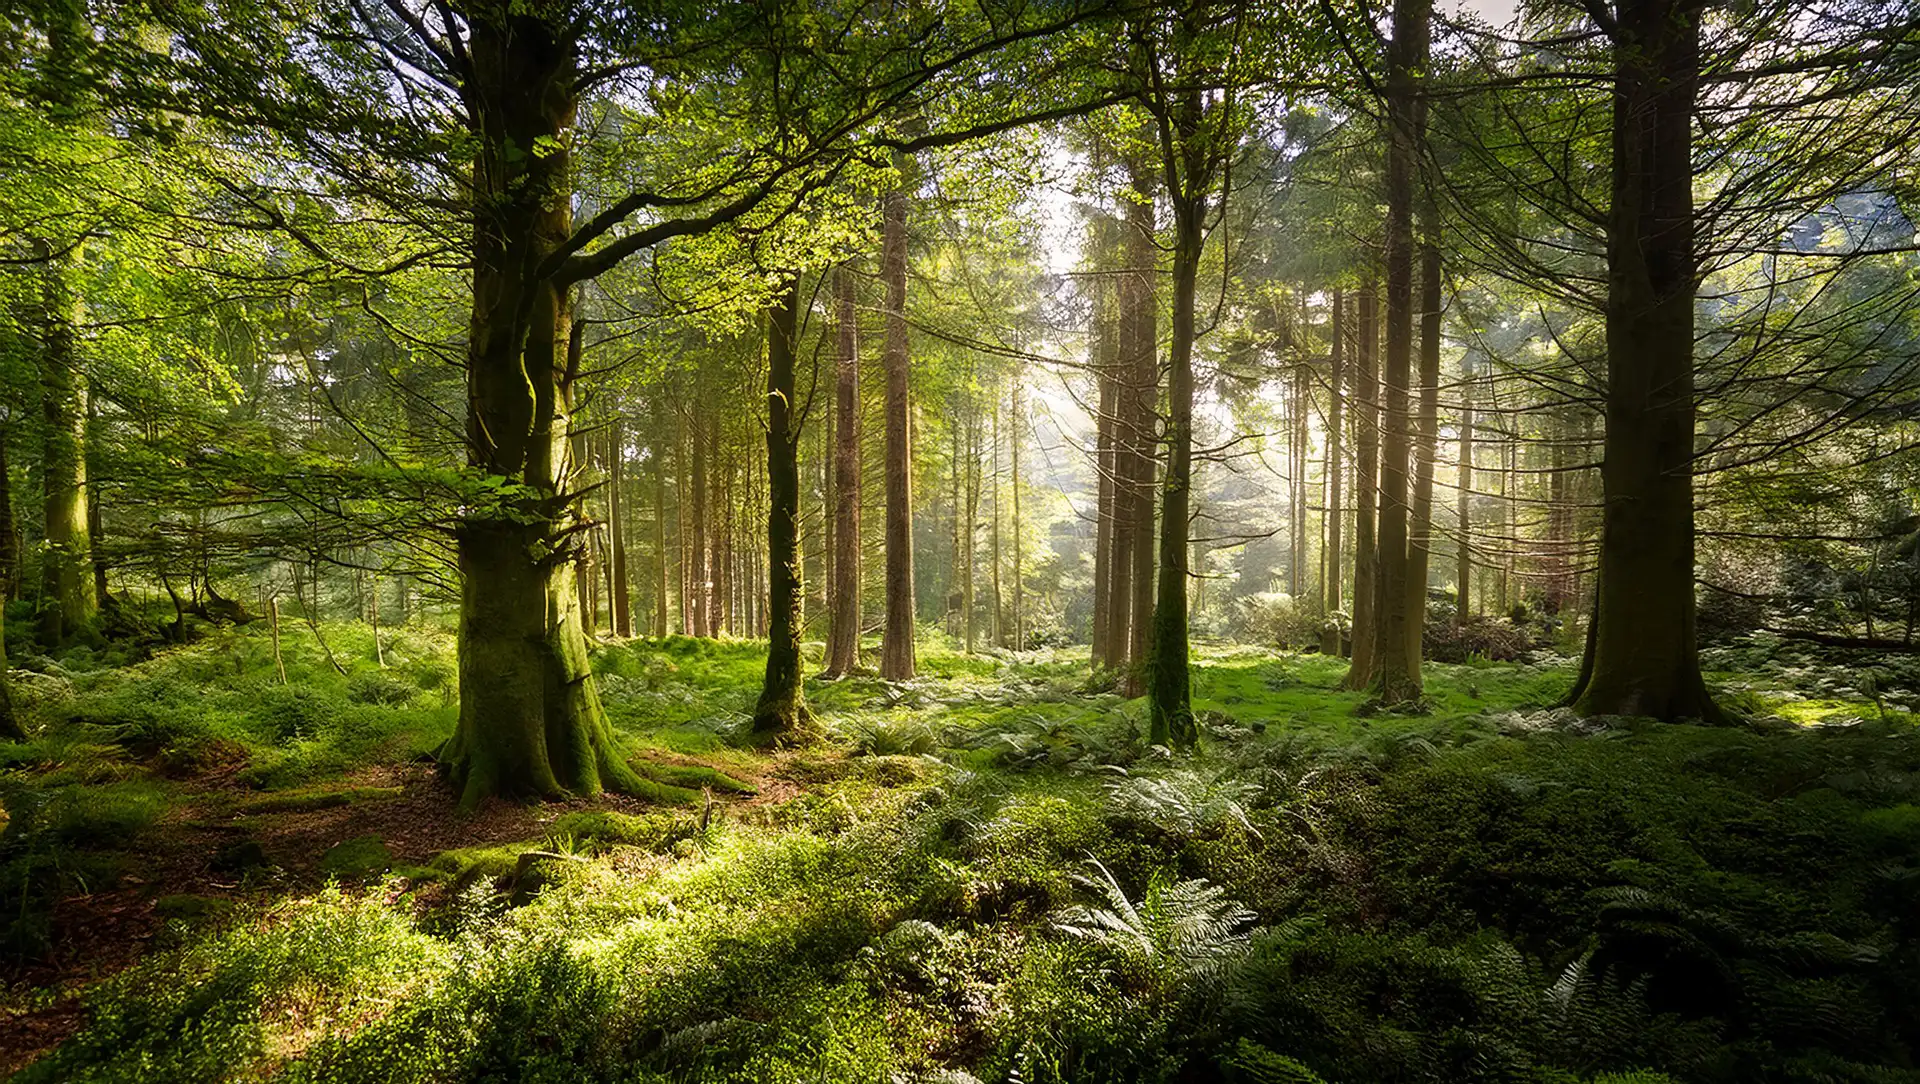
(984, 874)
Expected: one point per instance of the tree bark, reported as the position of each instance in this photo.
(1105, 356)
(1643, 656)
(843, 652)
(1425, 447)
(896, 641)
(720, 533)
(1133, 559)
(1017, 413)
(1336, 466)
(1170, 706)
(698, 587)
(782, 712)
(67, 603)
(530, 722)
(973, 522)
(10, 725)
(617, 530)
(1396, 676)
(9, 528)
(660, 523)
(997, 631)
(1366, 427)
(1463, 498)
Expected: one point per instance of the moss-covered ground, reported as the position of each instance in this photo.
(985, 874)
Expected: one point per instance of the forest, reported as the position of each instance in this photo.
(960, 541)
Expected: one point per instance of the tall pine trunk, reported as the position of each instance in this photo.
(1463, 497)
(1105, 355)
(896, 641)
(782, 711)
(1170, 705)
(1336, 467)
(1133, 558)
(617, 531)
(843, 650)
(1366, 468)
(1396, 672)
(531, 723)
(660, 523)
(1425, 448)
(1642, 656)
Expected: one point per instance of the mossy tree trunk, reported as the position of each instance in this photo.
(531, 723)
(782, 714)
(1169, 686)
(67, 602)
(1642, 657)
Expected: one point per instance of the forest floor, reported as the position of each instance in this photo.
(983, 874)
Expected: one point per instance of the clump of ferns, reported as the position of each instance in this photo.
(1178, 934)
(1184, 802)
(1074, 741)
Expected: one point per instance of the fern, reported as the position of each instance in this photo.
(1183, 802)
(1178, 930)
(1255, 1064)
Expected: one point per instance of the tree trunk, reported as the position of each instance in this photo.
(68, 603)
(1170, 706)
(699, 589)
(1644, 659)
(1425, 448)
(720, 532)
(782, 712)
(1336, 467)
(1463, 498)
(1396, 676)
(1105, 356)
(1366, 427)
(530, 722)
(10, 725)
(998, 633)
(617, 531)
(843, 652)
(1017, 412)
(660, 523)
(9, 529)
(973, 521)
(1133, 538)
(896, 641)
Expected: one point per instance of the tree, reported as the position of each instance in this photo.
(843, 648)
(1197, 133)
(782, 713)
(896, 640)
(1642, 657)
(1395, 677)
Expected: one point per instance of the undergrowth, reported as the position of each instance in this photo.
(989, 874)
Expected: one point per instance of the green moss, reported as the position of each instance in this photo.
(307, 801)
(357, 858)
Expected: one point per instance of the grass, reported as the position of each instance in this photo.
(989, 872)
